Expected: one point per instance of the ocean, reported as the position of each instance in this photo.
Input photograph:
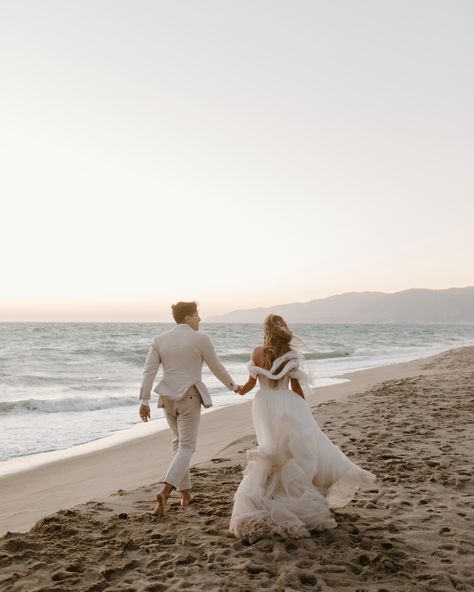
(65, 384)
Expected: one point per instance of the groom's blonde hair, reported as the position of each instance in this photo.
(181, 310)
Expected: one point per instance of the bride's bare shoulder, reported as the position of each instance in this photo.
(257, 356)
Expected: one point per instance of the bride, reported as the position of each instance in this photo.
(296, 474)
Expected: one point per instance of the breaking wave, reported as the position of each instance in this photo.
(68, 405)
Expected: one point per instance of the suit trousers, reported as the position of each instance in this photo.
(183, 417)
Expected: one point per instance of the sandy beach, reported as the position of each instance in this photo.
(411, 424)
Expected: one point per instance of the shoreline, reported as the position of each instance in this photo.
(34, 460)
(71, 399)
(33, 493)
(37, 460)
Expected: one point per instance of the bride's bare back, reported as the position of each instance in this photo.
(258, 359)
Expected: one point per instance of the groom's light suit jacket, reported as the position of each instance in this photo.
(181, 352)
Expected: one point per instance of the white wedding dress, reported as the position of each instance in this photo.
(296, 474)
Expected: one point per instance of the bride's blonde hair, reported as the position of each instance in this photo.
(277, 338)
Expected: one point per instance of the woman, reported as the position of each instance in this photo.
(296, 474)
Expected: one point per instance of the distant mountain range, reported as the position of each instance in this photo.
(455, 305)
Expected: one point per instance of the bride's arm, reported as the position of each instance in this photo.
(251, 382)
(248, 386)
(296, 387)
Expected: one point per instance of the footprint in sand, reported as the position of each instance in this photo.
(307, 579)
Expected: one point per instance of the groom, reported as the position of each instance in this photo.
(181, 351)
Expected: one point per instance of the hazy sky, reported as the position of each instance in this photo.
(241, 153)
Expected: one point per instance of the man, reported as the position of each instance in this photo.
(181, 352)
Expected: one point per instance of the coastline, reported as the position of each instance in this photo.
(31, 494)
(71, 396)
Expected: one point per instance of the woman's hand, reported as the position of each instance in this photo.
(248, 386)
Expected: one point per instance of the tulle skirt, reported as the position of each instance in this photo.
(296, 474)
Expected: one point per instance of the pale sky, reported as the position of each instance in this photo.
(241, 153)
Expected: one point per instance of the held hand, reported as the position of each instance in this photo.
(144, 412)
(238, 390)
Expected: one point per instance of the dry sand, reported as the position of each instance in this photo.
(414, 430)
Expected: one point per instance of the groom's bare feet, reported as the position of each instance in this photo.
(159, 509)
(186, 498)
(161, 499)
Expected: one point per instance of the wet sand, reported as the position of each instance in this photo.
(412, 426)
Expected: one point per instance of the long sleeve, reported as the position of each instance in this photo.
(152, 364)
(214, 364)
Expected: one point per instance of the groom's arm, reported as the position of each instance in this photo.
(152, 364)
(214, 364)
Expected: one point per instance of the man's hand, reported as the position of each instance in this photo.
(144, 412)
(238, 389)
